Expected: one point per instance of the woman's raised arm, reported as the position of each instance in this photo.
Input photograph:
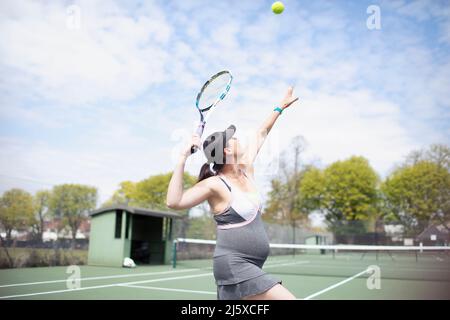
(254, 146)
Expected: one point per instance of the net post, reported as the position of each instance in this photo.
(390, 254)
(174, 254)
(421, 250)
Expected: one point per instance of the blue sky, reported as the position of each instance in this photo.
(111, 97)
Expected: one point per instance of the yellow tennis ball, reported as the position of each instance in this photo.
(277, 7)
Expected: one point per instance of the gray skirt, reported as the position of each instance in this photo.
(257, 285)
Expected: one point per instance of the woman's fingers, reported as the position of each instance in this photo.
(193, 143)
(289, 92)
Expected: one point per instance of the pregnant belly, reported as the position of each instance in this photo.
(249, 241)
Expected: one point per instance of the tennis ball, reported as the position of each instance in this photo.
(277, 7)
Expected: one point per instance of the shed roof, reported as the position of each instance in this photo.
(134, 210)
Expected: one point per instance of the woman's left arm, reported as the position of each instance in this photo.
(254, 146)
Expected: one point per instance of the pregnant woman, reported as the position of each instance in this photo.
(226, 181)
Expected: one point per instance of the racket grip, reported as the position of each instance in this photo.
(199, 132)
(193, 149)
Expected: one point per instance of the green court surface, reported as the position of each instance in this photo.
(306, 276)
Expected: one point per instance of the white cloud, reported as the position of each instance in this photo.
(85, 65)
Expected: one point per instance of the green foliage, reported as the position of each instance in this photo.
(202, 227)
(312, 188)
(41, 202)
(346, 191)
(124, 195)
(71, 203)
(350, 189)
(285, 204)
(147, 193)
(276, 204)
(419, 194)
(16, 210)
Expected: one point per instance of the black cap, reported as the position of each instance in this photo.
(214, 144)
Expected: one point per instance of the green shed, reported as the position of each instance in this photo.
(120, 231)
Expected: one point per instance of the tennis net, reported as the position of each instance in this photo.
(394, 262)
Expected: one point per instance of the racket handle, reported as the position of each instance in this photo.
(199, 132)
(193, 149)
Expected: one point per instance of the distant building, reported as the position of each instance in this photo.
(52, 226)
(435, 235)
(395, 232)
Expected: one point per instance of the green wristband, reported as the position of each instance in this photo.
(278, 109)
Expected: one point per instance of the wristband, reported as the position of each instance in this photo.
(278, 109)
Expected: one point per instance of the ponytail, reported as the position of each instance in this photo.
(206, 172)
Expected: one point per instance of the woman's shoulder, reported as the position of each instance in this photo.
(212, 182)
(216, 185)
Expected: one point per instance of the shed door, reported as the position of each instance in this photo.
(147, 246)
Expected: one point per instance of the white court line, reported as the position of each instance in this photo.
(96, 278)
(383, 267)
(105, 286)
(285, 264)
(127, 283)
(169, 289)
(275, 261)
(335, 285)
(109, 277)
(204, 292)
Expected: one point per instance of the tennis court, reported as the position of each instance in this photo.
(316, 274)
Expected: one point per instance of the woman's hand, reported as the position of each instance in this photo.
(195, 141)
(288, 99)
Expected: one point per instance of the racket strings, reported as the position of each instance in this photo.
(213, 91)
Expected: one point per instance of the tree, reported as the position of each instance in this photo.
(346, 191)
(201, 227)
(16, 213)
(124, 196)
(71, 203)
(151, 193)
(313, 188)
(148, 193)
(419, 194)
(438, 154)
(285, 203)
(41, 205)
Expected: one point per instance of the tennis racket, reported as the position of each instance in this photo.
(213, 91)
